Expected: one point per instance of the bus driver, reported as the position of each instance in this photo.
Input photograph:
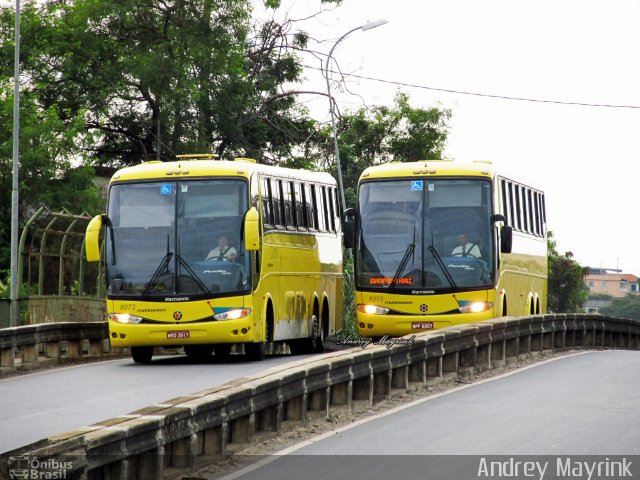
(223, 251)
(465, 248)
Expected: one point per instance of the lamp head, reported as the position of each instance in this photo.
(374, 24)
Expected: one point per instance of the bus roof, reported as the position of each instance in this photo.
(241, 167)
(431, 168)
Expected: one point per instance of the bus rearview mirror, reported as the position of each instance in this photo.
(92, 239)
(348, 227)
(252, 230)
(506, 239)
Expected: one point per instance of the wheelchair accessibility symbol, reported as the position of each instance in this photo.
(416, 185)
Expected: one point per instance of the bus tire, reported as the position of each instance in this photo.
(222, 351)
(255, 351)
(317, 335)
(300, 346)
(198, 352)
(312, 344)
(142, 354)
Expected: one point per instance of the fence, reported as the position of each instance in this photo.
(57, 283)
(180, 435)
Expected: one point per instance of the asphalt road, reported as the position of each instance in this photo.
(584, 407)
(44, 403)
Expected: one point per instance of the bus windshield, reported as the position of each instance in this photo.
(433, 234)
(179, 238)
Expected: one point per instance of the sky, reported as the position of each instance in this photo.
(585, 158)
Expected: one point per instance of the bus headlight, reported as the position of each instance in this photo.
(476, 307)
(233, 314)
(373, 309)
(124, 318)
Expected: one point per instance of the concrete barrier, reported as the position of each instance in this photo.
(31, 346)
(180, 435)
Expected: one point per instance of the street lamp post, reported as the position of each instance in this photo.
(14, 314)
(366, 26)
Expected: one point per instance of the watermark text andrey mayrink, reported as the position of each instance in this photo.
(362, 342)
(563, 467)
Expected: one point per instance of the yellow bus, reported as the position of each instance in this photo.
(205, 254)
(440, 243)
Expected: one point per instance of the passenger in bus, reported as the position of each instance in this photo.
(465, 248)
(224, 251)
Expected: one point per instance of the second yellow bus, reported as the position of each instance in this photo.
(440, 243)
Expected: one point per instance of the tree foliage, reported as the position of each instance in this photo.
(380, 134)
(625, 307)
(47, 176)
(116, 82)
(156, 78)
(567, 291)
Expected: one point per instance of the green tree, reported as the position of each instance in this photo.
(47, 176)
(155, 78)
(567, 291)
(626, 307)
(116, 82)
(380, 134)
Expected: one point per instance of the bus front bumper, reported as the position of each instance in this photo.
(171, 334)
(369, 325)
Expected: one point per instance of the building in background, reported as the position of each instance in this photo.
(606, 284)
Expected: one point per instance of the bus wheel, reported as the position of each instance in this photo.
(317, 335)
(300, 346)
(222, 351)
(255, 351)
(198, 352)
(141, 354)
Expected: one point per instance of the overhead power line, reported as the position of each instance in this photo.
(485, 95)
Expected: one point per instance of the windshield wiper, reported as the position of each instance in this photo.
(163, 267)
(403, 263)
(194, 276)
(164, 263)
(442, 266)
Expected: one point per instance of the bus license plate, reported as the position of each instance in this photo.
(178, 334)
(422, 325)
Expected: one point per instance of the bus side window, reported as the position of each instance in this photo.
(525, 210)
(505, 200)
(530, 211)
(300, 208)
(288, 204)
(536, 214)
(331, 210)
(543, 215)
(318, 208)
(518, 222)
(312, 221)
(267, 205)
(325, 209)
(278, 217)
(338, 218)
(512, 211)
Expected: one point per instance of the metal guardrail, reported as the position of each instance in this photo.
(180, 435)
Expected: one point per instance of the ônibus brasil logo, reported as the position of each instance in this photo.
(26, 467)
